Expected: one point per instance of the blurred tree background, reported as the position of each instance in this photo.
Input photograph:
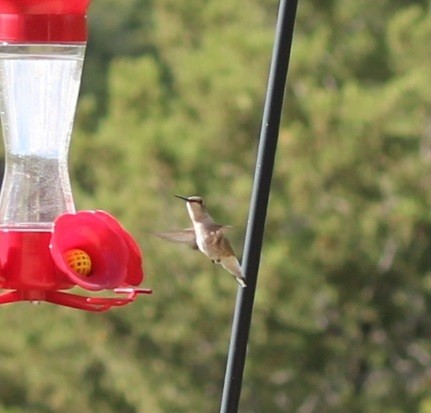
(171, 102)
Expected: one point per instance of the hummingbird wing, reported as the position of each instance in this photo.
(183, 236)
(225, 228)
(222, 242)
(217, 230)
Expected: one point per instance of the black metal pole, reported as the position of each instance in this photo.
(259, 205)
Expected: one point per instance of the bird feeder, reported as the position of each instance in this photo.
(46, 247)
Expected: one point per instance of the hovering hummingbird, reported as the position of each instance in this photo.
(208, 237)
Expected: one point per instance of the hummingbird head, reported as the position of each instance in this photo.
(195, 206)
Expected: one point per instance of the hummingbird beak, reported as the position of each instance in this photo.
(182, 197)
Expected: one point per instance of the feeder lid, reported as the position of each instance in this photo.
(43, 21)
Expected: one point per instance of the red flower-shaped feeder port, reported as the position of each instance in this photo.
(89, 249)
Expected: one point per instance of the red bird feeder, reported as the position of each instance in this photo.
(45, 246)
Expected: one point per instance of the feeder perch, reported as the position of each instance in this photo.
(46, 247)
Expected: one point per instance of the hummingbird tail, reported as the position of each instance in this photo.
(232, 265)
(241, 282)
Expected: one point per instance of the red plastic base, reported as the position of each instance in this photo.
(94, 304)
(28, 270)
(26, 262)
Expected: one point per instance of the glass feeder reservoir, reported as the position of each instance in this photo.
(38, 95)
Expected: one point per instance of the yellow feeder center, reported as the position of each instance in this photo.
(79, 261)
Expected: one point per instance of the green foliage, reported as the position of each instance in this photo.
(171, 102)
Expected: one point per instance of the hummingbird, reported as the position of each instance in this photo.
(207, 237)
